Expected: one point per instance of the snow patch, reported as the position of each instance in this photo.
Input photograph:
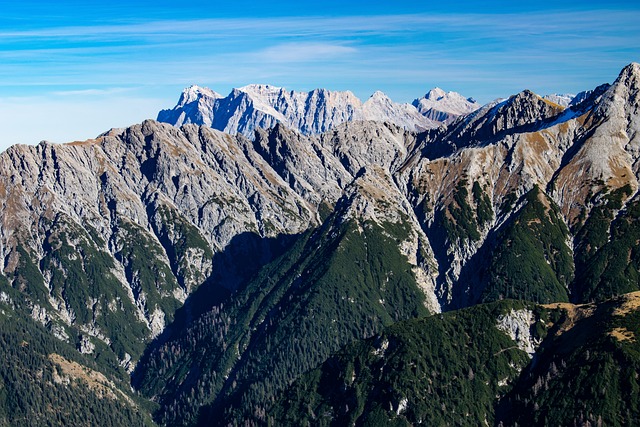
(562, 99)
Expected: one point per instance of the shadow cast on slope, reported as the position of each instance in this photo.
(445, 142)
(472, 280)
(233, 268)
(569, 155)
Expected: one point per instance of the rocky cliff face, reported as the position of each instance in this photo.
(444, 107)
(253, 107)
(196, 105)
(488, 160)
(151, 205)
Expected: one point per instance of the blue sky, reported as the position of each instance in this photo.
(70, 71)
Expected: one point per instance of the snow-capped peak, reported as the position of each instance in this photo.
(195, 92)
(260, 89)
(379, 107)
(379, 95)
(444, 106)
(378, 98)
(436, 94)
(263, 106)
(562, 99)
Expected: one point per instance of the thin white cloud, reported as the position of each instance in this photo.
(92, 92)
(164, 42)
(303, 52)
(330, 26)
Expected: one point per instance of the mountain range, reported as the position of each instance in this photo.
(288, 258)
(263, 106)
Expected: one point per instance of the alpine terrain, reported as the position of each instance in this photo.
(288, 258)
(263, 106)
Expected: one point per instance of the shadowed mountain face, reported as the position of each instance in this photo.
(216, 269)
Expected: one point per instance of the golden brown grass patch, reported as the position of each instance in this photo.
(621, 175)
(622, 334)
(96, 381)
(574, 313)
(557, 107)
(631, 302)
(87, 142)
(537, 142)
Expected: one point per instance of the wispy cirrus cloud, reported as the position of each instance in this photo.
(460, 34)
(484, 55)
(303, 52)
(101, 92)
(495, 23)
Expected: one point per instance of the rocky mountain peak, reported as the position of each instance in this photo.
(562, 99)
(588, 96)
(380, 102)
(379, 96)
(630, 75)
(444, 106)
(235, 93)
(260, 89)
(523, 112)
(194, 93)
(265, 94)
(621, 101)
(379, 107)
(435, 94)
(628, 83)
(525, 108)
(263, 105)
(194, 106)
(523, 96)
